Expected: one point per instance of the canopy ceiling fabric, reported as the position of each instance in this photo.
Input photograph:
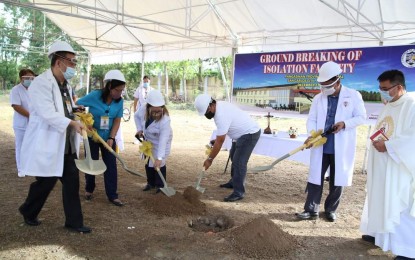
(164, 30)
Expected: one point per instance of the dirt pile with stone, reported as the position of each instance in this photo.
(217, 223)
(180, 204)
(262, 239)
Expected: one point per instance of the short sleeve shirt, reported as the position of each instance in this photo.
(20, 96)
(98, 108)
(234, 122)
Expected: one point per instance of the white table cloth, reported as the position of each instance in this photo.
(276, 146)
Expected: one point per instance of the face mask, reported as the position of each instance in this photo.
(209, 115)
(328, 91)
(146, 84)
(69, 73)
(385, 95)
(26, 83)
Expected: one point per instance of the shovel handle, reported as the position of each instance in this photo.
(109, 148)
(159, 173)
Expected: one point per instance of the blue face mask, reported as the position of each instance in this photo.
(26, 83)
(146, 84)
(69, 73)
(385, 95)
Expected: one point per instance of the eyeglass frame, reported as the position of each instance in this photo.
(329, 85)
(28, 77)
(390, 87)
(73, 60)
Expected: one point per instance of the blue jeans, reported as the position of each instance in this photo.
(240, 152)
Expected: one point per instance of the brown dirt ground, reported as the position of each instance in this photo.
(153, 226)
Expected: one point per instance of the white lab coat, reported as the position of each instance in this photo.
(159, 133)
(43, 145)
(19, 96)
(141, 94)
(350, 110)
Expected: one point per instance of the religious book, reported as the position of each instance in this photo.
(379, 135)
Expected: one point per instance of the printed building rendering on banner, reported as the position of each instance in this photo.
(287, 80)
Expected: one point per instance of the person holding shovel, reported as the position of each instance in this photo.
(106, 107)
(153, 124)
(49, 143)
(239, 126)
(341, 109)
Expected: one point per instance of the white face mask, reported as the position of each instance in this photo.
(328, 91)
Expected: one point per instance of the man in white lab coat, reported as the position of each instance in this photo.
(140, 94)
(49, 145)
(342, 109)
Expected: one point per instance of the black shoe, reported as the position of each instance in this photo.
(117, 203)
(88, 196)
(83, 229)
(368, 238)
(399, 257)
(331, 216)
(307, 215)
(148, 187)
(158, 190)
(233, 197)
(227, 185)
(30, 221)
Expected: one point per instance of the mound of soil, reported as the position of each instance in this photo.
(262, 239)
(187, 203)
(214, 224)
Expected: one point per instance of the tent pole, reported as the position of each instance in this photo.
(234, 51)
(88, 72)
(142, 65)
(225, 82)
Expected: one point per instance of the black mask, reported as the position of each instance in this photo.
(209, 115)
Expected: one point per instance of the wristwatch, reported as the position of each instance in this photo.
(160, 158)
(210, 159)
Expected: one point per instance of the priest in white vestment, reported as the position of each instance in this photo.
(389, 213)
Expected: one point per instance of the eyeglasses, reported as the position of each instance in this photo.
(329, 85)
(380, 88)
(73, 60)
(156, 112)
(28, 77)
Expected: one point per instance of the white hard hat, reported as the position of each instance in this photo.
(114, 74)
(202, 102)
(59, 46)
(155, 98)
(328, 70)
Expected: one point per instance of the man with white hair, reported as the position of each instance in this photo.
(341, 109)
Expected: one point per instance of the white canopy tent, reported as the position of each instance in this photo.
(137, 30)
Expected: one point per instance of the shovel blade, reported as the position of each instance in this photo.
(169, 191)
(94, 167)
(260, 169)
(200, 189)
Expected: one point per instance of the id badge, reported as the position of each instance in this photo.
(69, 106)
(105, 123)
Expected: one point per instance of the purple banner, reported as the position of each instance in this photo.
(361, 67)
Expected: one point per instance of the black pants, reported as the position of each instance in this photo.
(153, 178)
(315, 192)
(41, 188)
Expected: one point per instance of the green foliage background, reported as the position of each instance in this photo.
(26, 34)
